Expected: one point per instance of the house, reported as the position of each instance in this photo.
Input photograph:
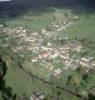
(84, 64)
(44, 48)
(85, 59)
(1, 26)
(34, 59)
(78, 48)
(49, 44)
(35, 33)
(93, 63)
(63, 57)
(43, 31)
(66, 47)
(55, 55)
(76, 18)
(57, 71)
(45, 53)
(66, 67)
(68, 62)
(37, 96)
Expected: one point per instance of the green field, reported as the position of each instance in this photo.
(36, 23)
(83, 28)
(22, 83)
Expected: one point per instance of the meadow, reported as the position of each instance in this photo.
(83, 28)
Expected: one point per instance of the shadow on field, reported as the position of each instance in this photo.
(18, 7)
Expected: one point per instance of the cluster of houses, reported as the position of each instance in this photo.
(37, 96)
(59, 26)
(43, 44)
(62, 24)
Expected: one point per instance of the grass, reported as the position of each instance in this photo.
(22, 83)
(37, 22)
(84, 28)
(36, 69)
(19, 83)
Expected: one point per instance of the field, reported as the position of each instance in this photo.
(83, 28)
(22, 83)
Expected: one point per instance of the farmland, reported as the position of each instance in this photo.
(82, 28)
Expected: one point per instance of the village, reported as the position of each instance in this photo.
(45, 53)
(47, 49)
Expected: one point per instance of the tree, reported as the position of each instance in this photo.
(5, 92)
(91, 96)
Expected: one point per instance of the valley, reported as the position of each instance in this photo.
(50, 55)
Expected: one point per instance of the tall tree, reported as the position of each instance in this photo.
(5, 92)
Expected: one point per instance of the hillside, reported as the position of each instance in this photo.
(49, 52)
